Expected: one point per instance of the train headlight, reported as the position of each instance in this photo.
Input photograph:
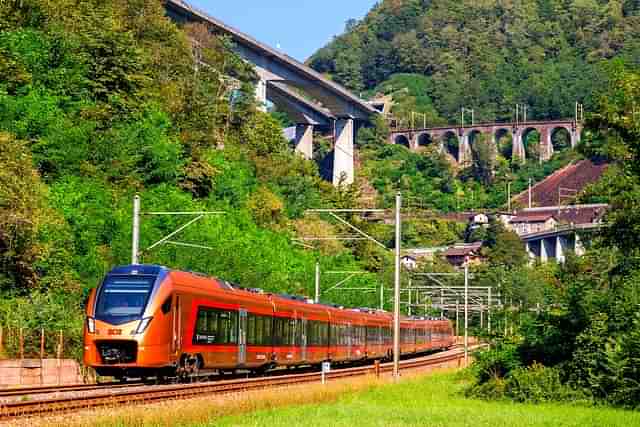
(91, 325)
(143, 325)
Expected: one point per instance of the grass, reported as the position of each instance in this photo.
(430, 401)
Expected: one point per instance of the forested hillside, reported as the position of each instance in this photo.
(486, 55)
(100, 100)
(436, 57)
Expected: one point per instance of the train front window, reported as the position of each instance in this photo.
(123, 299)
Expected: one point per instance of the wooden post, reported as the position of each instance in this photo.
(21, 338)
(61, 345)
(41, 343)
(59, 358)
(21, 343)
(41, 356)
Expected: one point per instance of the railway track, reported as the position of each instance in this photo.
(30, 391)
(113, 398)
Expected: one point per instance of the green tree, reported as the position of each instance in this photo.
(504, 247)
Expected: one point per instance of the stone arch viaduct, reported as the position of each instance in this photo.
(465, 136)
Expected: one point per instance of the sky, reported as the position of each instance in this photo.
(296, 27)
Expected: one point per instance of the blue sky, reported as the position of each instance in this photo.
(299, 27)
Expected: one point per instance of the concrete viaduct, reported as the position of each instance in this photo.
(414, 139)
(326, 105)
(556, 243)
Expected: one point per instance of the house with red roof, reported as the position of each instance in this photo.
(527, 223)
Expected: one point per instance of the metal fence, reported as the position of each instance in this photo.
(23, 343)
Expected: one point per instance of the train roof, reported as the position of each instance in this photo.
(143, 269)
(150, 269)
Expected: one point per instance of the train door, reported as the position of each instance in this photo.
(176, 329)
(349, 339)
(242, 337)
(303, 339)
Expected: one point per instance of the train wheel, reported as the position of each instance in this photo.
(196, 366)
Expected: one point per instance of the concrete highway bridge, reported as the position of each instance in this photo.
(465, 136)
(325, 105)
(554, 244)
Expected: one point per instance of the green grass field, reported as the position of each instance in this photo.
(434, 400)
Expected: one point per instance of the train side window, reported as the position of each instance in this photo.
(286, 331)
(228, 327)
(312, 333)
(216, 327)
(258, 330)
(166, 306)
(267, 330)
(251, 329)
(278, 331)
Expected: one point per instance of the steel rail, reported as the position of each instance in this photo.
(187, 391)
(28, 391)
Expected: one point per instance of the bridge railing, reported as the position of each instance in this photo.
(562, 228)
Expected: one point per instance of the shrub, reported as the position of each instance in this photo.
(538, 383)
(493, 389)
(495, 363)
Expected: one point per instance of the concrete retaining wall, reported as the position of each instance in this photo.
(36, 372)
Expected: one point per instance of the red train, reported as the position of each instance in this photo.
(149, 321)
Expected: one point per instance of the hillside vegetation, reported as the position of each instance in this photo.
(486, 55)
(572, 331)
(100, 100)
(435, 57)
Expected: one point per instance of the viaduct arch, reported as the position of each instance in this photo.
(465, 136)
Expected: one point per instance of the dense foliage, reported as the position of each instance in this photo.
(436, 57)
(100, 100)
(586, 336)
(484, 55)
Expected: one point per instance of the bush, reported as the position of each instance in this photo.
(495, 363)
(537, 384)
(493, 389)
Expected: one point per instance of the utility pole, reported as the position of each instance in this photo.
(396, 296)
(472, 112)
(410, 291)
(426, 308)
(166, 240)
(522, 111)
(135, 240)
(317, 282)
(457, 319)
(579, 113)
(466, 314)
(506, 317)
(489, 314)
